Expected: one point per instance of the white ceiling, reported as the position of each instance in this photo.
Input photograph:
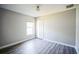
(30, 9)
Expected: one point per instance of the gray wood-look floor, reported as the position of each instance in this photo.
(37, 46)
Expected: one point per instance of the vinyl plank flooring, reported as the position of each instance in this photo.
(61, 48)
(50, 48)
(44, 50)
(71, 50)
(55, 49)
(37, 46)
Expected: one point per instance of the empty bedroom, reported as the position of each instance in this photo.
(39, 29)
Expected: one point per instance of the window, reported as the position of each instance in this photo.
(29, 28)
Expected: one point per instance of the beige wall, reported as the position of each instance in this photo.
(13, 27)
(58, 27)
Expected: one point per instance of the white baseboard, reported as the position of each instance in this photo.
(8, 45)
(62, 43)
(58, 42)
